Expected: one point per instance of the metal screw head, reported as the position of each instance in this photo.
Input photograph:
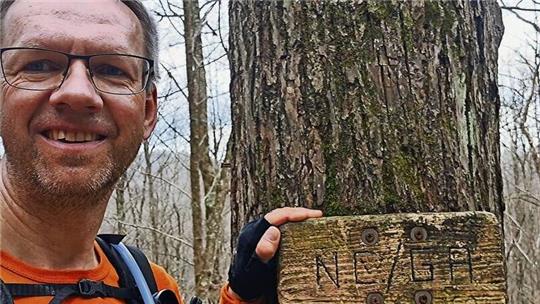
(419, 234)
(423, 297)
(375, 298)
(370, 236)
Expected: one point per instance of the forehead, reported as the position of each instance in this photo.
(79, 26)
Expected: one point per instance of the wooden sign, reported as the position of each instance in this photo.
(394, 258)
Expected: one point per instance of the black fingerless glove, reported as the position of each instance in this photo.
(249, 277)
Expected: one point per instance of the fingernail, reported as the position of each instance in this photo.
(272, 234)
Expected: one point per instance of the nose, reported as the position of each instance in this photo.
(77, 92)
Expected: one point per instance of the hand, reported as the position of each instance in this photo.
(253, 272)
(269, 243)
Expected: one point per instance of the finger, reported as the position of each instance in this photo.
(291, 214)
(268, 244)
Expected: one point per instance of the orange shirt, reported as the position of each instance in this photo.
(13, 270)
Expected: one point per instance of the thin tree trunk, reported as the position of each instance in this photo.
(363, 107)
(152, 201)
(120, 200)
(198, 127)
(206, 185)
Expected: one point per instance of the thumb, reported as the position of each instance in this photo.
(268, 244)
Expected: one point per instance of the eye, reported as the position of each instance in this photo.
(108, 70)
(42, 66)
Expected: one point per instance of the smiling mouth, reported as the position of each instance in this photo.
(72, 137)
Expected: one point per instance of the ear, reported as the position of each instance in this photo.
(150, 112)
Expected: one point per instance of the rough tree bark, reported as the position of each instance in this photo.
(364, 107)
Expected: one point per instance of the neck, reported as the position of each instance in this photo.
(41, 232)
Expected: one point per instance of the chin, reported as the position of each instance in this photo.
(74, 176)
(65, 177)
(75, 181)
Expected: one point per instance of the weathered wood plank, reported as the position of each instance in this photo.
(433, 257)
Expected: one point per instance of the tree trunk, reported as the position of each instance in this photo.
(209, 186)
(364, 107)
(120, 200)
(152, 200)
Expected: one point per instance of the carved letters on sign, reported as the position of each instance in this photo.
(422, 268)
(460, 257)
(321, 264)
(448, 257)
(361, 267)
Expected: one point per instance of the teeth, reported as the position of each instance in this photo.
(79, 136)
(71, 136)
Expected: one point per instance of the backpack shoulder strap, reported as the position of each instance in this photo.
(105, 241)
(145, 267)
(127, 288)
(60, 292)
(5, 295)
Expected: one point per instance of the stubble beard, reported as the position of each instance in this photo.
(53, 185)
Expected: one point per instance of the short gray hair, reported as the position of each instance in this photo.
(149, 27)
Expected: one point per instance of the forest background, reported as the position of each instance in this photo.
(182, 217)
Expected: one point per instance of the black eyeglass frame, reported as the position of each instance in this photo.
(86, 58)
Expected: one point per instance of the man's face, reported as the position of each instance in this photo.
(102, 132)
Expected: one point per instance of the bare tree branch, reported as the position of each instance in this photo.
(523, 9)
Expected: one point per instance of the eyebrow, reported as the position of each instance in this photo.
(43, 44)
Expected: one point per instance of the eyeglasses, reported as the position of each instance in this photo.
(42, 70)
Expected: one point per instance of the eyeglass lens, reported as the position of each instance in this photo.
(41, 70)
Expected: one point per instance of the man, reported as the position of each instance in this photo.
(77, 99)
